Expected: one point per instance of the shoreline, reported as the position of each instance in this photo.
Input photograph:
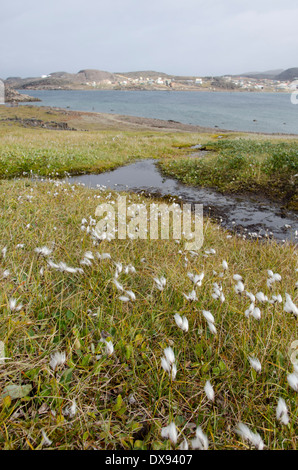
(109, 121)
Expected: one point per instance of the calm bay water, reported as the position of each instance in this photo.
(243, 111)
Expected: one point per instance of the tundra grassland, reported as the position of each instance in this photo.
(134, 344)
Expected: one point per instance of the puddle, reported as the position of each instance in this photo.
(200, 153)
(246, 215)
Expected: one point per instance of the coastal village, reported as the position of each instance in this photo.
(200, 84)
(285, 81)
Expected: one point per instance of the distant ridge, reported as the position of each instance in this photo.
(144, 73)
(270, 74)
(279, 74)
(289, 74)
(154, 80)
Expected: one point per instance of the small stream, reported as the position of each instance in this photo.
(246, 215)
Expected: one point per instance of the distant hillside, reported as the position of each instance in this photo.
(288, 75)
(60, 79)
(279, 74)
(270, 74)
(143, 73)
(84, 77)
(151, 80)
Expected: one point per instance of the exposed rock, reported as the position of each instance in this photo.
(90, 75)
(39, 123)
(13, 96)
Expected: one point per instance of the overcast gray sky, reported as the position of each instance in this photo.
(182, 37)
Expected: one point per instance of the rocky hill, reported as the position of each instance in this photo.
(62, 80)
(288, 75)
(279, 74)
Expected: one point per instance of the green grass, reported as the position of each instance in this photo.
(56, 153)
(269, 167)
(67, 312)
(236, 162)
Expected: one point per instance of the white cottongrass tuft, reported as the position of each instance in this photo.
(129, 269)
(192, 296)
(71, 410)
(255, 364)
(256, 313)
(118, 285)
(44, 251)
(86, 261)
(200, 441)
(168, 362)
(275, 299)
(212, 328)
(210, 321)
(282, 412)
(289, 306)
(183, 445)
(251, 296)
(211, 251)
(165, 365)
(249, 310)
(57, 359)
(5, 274)
(247, 435)
(109, 347)
(273, 277)
(119, 268)
(160, 282)
(45, 440)
(108, 344)
(209, 391)
(169, 355)
(293, 380)
(261, 297)
(196, 278)
(103, 256)
(217, 292)
(170, 432)
(130, 294)
(13, 305)
(225, 265)
(239, 287)
(253, 311)
(181, 322)
(208, 315)
(62, 267)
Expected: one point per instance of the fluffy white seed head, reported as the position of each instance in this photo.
(289, 306)
(200, 441)
(209, 391)
(208, 315)
(169, 355)
(225, 265)
(282, 412)
(255, 364)
(57, 359)
(248, 435)
(170, 432)
(293, 380)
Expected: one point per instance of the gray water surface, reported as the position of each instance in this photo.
(242, 111)
(248, 215)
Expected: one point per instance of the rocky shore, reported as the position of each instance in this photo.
(13, 96)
